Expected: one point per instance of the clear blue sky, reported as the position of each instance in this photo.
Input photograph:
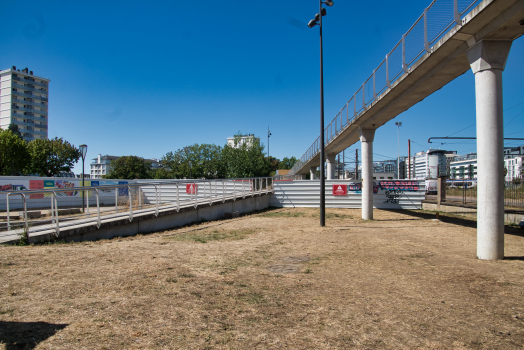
(146, 78)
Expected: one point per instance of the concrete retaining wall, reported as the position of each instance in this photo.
(165, 220)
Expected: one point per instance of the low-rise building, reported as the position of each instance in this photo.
(390, 166)
(102, 165)
(239, 140)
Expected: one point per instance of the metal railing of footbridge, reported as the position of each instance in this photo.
(35, 212)
(436, 20)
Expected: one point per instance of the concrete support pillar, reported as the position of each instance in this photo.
(330, 160)
(366, 145)
(313, 173)
(488, 59)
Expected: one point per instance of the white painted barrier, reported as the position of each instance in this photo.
(387, 194)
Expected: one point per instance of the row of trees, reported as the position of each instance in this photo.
(45, 157)
(207, 161)
(41, 157)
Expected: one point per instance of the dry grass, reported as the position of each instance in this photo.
(402, 280)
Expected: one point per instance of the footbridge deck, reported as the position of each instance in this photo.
(430, 55)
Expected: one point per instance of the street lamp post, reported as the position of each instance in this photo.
(83, 152)
(311, 24)
(398, 124)
(190, 167)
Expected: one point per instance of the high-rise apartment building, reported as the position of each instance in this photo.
(24, 102)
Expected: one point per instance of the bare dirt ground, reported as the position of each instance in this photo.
(401, 281)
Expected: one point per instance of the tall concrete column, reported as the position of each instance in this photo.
(366, 145)
(488, 59)
(330, 160)
(313, 173)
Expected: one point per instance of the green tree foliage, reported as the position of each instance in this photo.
(273, 164)
(211, 161)
(14, 157)
(245, 161)
(14, 129)
(160, 173)
(129, 167)
(205, 160)
(49, 157)
(287, 163)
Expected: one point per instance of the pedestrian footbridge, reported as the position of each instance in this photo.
(450, 38)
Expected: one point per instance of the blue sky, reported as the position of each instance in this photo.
(140, 78)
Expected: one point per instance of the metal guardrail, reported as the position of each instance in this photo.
(37, 211)
(434, 22)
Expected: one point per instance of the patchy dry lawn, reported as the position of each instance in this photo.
(403, 280)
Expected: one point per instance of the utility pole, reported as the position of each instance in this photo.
(344, 164)
(398, 124)
(338, 167)
(356, 162)
(409, 158)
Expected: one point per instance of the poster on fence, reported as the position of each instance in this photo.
(74, 186)
(13, 186)
(340, 190)
(191, 188)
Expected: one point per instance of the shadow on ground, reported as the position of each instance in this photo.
(456, 220)
(26, 335)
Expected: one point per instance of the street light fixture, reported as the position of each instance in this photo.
(83, 152)
(398, 124)
(318, 20)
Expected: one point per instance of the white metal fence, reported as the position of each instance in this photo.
(39, 211)
(387, 194)
(435, 21)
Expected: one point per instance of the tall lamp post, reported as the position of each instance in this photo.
(311, 24)
(398, 124)
(83, 152)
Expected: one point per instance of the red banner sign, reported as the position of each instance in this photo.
(191, 188)
(340, 190)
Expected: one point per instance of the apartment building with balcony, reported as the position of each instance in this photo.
(24, 99)
(464, 167)
(101, 166)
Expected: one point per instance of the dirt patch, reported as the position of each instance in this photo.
(403, 280)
